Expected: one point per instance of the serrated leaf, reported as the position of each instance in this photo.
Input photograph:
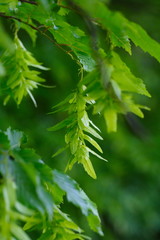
(63, 11)
(125, 79)
(14, 137)
(78, 197)
(56, 192)
(21, 80)
(87, 62)
(113, 22)
(121, 31)
(140, 38)
(131, 106)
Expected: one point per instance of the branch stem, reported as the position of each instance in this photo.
(30, 2)
(2, 14)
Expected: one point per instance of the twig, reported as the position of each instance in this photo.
(30, 2)
(18, 19)
(35, 28)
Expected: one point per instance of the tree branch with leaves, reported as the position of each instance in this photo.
(32, 193)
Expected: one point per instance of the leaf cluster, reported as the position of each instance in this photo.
(107, 86)
(80, 129)
(21, 79)
(31, 194)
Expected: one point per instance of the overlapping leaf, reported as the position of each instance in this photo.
(31, 192)
(79, 128)
(121, 30)
(21, 80)
(77, 196)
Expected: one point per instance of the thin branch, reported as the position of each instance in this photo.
(30, 2)
(18, 19)
(37, 29)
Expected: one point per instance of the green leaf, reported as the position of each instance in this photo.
(125, 79)
(93, 142)
(110, 116)
(33, 221)
(87, 62)
(62, 124)
(140, 38)
(88, 167)
(77, 196)
(15, 138)
(92, 132)
(60, 151)
(65, 101)
(21, 79)
(63, 11)
(46, 199)
(121, 31)
(117, 89)
(97, 155)
(64, 228)
(28, 195)
(36, 192)
(94, 126)
(113, 22)
(27, 155)
(31, 32)
(23, 209)
(19, 233)
(130, 106)
(74, 143)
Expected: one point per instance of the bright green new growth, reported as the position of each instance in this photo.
(79, 129)
(107, 86)
(21, 79)
(109, 83)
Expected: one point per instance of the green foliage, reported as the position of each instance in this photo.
(31, 192)
(78, 197)
(79, 129)
(21, 79)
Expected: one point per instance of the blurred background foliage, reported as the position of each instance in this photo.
(128, 186)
